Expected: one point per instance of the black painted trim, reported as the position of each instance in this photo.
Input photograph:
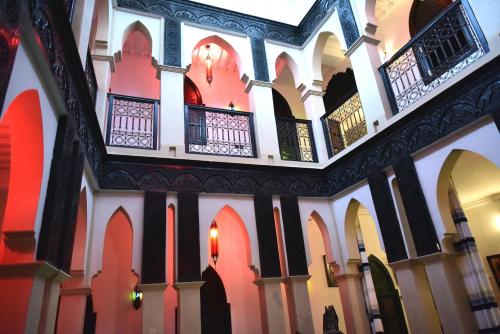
(252, 26)
(154, 237)
(188, 238)
(259, 59)
(418, 215)
(387, 217)
(172, 43)
(266, 235)
(294, 239)
(55, 243)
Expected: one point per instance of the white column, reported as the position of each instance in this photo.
(188, 308)
(417, 297)
(315, 108)
(81, 24)
(103, 67)
(365, 61)
(152, 308)
(449, 293)
(300, 313)
(261, 104)
(51, 302)
(273, 312)
(171, 129)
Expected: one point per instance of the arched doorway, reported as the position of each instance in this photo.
(192, 94)
(423, 12)
(388, 299)
(215, 310)
(468, 194)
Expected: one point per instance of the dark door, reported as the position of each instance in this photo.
(215, 311)
(389, 303)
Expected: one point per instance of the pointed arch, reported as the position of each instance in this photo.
(351, 218)
(80, 240)
(215, 39)
(316, 217)
(324, 38)
(22, 161)
(284, 59)
(215, 310)
(137, 26)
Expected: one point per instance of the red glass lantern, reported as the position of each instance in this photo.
(208, 66)
(214, 245)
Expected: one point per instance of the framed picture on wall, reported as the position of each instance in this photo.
(494, 261)
(330, 276)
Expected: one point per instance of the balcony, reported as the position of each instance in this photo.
(132, 122)
(90, 77)
(344, 125)
(219, 132)
(296, 140)
(446, 46)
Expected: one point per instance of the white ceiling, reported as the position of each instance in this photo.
(286, 11)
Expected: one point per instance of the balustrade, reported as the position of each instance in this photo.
(446, 46)
(345, 124)
(219, 132)
(296, 139)
(132, 122)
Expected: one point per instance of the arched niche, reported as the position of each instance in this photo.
(112, 286)
(192, 94)
(21, 168)
(423, 12)
(287, 82)
(328, 57)
(135, 74)
(226, 86)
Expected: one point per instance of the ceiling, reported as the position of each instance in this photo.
(286, 11)
(383, 7)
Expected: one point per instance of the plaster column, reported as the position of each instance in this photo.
(272, 307)
(419, 306)
(21, 309)
(153, 313)
(188, 307)
(81, 22)
(103, 67)
(449, 293)
(315, 108)
(353, 300)
(365, 62)
(266, 135)
(72, 305)
(171, 129)
(299, 304)
(51, 302)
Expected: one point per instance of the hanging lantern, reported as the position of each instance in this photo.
(137, 297)
(231, 105)
(214, 245)
(208, 65)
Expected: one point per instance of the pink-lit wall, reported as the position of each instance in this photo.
(232, 267)
(111, 289)
(134, 75)
(226, 87)
(170, 295)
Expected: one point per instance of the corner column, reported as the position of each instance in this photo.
(153, 262)
(315, 108)
(299, 304)
(272, 309)
(188, 265)
(365, 62)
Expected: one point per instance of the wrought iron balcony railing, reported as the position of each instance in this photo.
(90, 77)
(132, 122)
(296, 139)
(219, 132)
(344, 125)
(446, 46)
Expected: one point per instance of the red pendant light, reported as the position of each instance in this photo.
(214, 244)
(208, 65)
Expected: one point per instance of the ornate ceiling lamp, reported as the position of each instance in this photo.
(214, 244)
(208, 65)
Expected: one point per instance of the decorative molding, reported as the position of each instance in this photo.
(188, 285)
(168, 68)
(362, 39)
(259, 58)
(297, 279)
(153, 287)
(251, 26)
(269, 280)
(109, 59)
(294, 238)
(482, 201)
(172, 48)
(311, 92)
(40, 268)
(257, 83)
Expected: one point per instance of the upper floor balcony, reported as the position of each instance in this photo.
(190, 113)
